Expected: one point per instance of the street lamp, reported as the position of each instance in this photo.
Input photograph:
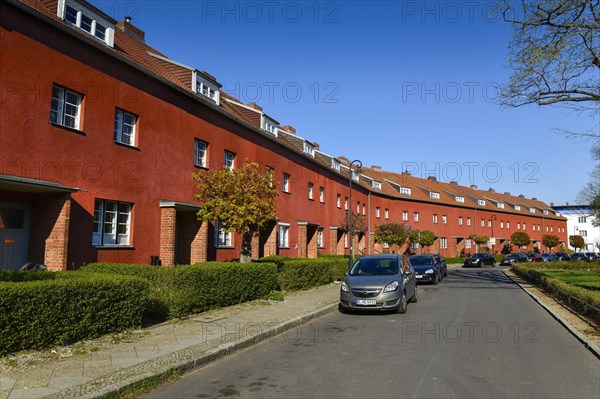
(350, 226)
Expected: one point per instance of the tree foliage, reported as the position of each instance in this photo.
(576, 241)
(479, 240)
(550, 240)
(590, 194)
(242, 200)
(424, 238)
(554, 53)
(520, 239)
(359, 223)
(392, 233)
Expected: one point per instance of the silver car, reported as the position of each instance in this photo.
(379, 282)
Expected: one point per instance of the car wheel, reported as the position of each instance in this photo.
(415, 297)
(342, 309)
(494, 264)
(403, 304)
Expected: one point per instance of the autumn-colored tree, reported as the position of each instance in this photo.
(424, 238)
(359, 223)
(520, 239)
(550, 240)
(242, 200)
(391, 233)
(576, 242)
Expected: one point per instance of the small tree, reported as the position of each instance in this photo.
(479, 240)
(359, 223)
(576, 242)
(424, 238)
(242, 200)
(550, 241)
(392, 233)
(520, 239)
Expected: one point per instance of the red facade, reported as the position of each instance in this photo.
(54, 177)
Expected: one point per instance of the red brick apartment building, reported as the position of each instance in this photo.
(100, 134)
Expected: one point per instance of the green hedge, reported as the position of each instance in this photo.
(300, 274)
(183, 290)
(63, 309)
(16, 276)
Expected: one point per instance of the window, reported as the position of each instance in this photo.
(358, 207)
(65, 107)
(435, 218)
(524, 226)
(481, 202)
(309, 149)
(338, 201)
(517, 207)
(500, 205)
(222, 237)
(468, 221)
(518, 225)
(482, 222)
(364, 209)
(539, 228)
(89, 25)
(443, 243)
(546, 212)
(377, 211)
(229, 160)
(346, 203)
(125, 127)
(405, 190)
(284, 239)
(355, 175)
(444, 219)
(320, 237)
(376, 185)
(583, 233)
(547, 229)
(416, 216)
(532, 210)
(322, 194)
(460, 220)
(200, 153)
(386, 213)
(111, 223)
(502, 224)
(271, 172)
(310, 191)
(582, 219)
(286, 183)
(386, 245)
(552, 230)
(206, 88)
(405, 215)
(489, 222)
(270, 126)
(459, 199)
(434, 195)
(345, 240)
(468, 243)
(507, 224)
(335, 164)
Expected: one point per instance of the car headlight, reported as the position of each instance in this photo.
(391, 287)
(345, 287)
(429, 271)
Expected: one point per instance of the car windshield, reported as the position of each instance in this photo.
(510, 256)
(374, 267)
(421, 260)
(477, 256)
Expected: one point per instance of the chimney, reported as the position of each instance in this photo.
(376, 167)
(521, 196)
(454, 183)
(534, 198)
(255, 106)
(343, 160)
(473, 187)
(491, 190)
(130, 29)
(567, 204)
(506, 193)
(432, 178)
(552, 204)
(316, 145)
(289, 128)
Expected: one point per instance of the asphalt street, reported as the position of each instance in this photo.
(475, 335)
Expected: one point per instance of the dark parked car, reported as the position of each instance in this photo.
(535, 257)
(379, 282)
(562, 256)
(426, 268)
(514, 258)
(478, 260)
(442, 262)
(549, 258)
(592, 255)
(580, 256)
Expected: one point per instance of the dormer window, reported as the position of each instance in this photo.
(532, 210)
(434, 195)
(206, 88)
(546, 212)
(335, 164)
(517, 207)
(269, 125)
(355, 176)
(481, 202)
(500, 205)
(309, 149)
(92, 23)
(459, 199)
(376, 184)
(405, 190)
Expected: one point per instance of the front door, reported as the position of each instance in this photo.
(13, 236)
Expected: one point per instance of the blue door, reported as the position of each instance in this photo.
(13, 236)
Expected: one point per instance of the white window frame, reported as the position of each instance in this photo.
(444, 219)
(121, 125)
(355, 175)
(502, 224)
(405, 190)
(460, 220)
(119, 217)
(482, 222)
(309, 149)
(386, 213)
(518, 225)
(338, 201)
(364, 212)
(376, 185)
(435, 218)
(95, 26)
(467, 243)
(346, 203)
(283, 235)
(405, 215)
(517, 207)
(481, 202)
(507, 224)
(223, 239)
(468, 221)
(229, 160)
(205, 88)
(415, 216)
(335, 164)
(320, 237)
(377, 212)
(443, 243)
(310, 190)
(459, 199)
(200, 154)
(322, 195)
(64, 102)
(434, 195)
(286, 183)
(500, 205)
(532, 210)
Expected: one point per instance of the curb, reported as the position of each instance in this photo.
(592, 347)
(180, 362)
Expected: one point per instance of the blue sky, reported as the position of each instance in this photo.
(405, 85)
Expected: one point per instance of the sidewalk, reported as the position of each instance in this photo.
(110, 364)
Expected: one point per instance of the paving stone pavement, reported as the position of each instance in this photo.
(105, 366)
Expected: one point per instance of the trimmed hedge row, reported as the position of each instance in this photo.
(183, 290)
(66, 308)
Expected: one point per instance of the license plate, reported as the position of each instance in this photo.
(366, 302)
(419, 276)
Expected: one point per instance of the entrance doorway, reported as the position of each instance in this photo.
(14, 234)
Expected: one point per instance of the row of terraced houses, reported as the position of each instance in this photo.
(100, 135)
